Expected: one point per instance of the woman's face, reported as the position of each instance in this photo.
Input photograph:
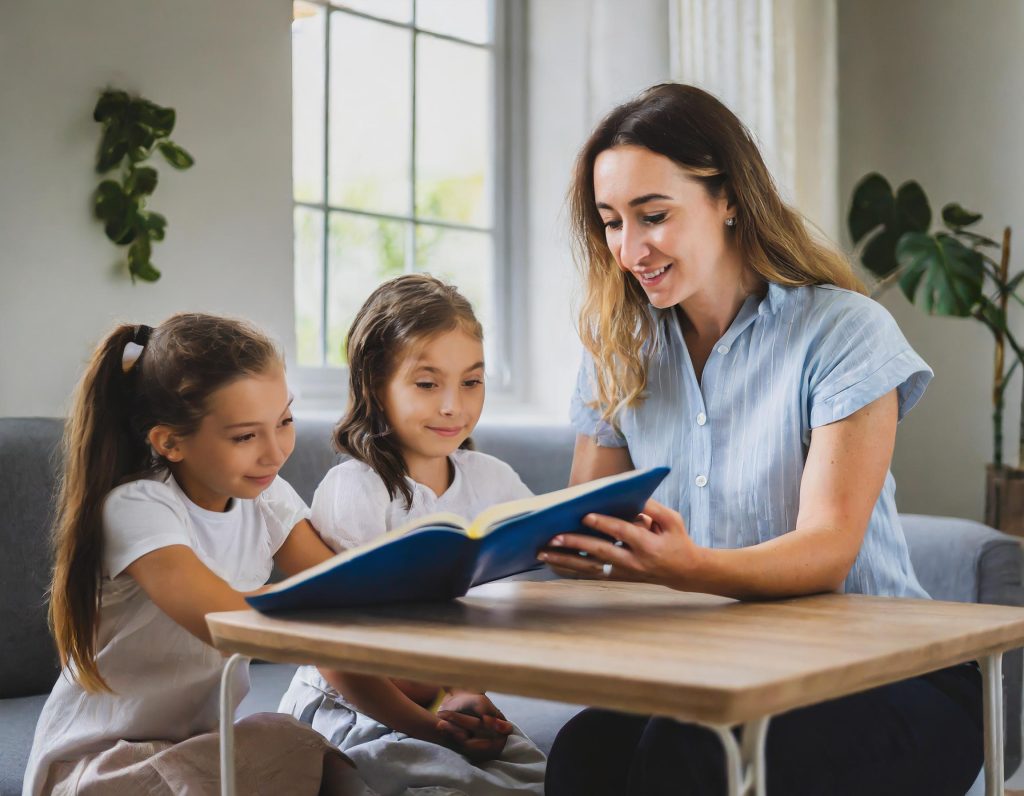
(663, 227)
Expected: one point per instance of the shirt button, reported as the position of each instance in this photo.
(701, 480)
(723, 349)
(702, 419)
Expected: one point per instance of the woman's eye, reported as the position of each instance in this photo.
(654, 218)
(612, 224)
(244, 438)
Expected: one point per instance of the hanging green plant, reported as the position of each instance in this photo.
(133, 129)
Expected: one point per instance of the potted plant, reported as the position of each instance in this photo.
(953, 271)
(133, 129)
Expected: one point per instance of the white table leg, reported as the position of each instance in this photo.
(992, 686)
(227, 725)
(745, 766)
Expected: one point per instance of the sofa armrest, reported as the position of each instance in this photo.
(964, 561)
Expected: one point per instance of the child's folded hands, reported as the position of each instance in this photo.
(474, 725)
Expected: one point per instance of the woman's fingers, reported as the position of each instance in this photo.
(463, 720)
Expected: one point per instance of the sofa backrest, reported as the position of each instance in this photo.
(29, 466)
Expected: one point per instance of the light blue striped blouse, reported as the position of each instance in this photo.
(796, 359)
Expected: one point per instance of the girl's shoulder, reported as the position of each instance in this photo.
(157, 489)
(498, 477)
(350, 478)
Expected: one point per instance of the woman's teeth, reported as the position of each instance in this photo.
(652, 275)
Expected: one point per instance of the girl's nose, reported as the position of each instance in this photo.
(451, 404)
(273, 452)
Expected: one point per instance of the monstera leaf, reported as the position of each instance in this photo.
(876, 208)
(940, 274)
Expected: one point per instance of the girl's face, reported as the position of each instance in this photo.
(662, 226)
(434, 399)
(240, 444)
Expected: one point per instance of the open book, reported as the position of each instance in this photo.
(442, 556)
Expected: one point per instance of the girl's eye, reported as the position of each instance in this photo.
(425, 385)
(287, 421)
(472, 382)
(244, 438)
(654, 218)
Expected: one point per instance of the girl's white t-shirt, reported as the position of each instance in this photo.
(351, 507)
(165, 681)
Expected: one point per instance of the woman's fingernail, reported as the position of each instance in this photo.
(542, 557)
(558, 541)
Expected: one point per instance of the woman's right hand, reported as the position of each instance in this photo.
(655, 548)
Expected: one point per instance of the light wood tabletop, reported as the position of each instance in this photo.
(644, 649)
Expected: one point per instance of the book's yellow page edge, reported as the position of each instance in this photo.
(431, 520)
(485, 521)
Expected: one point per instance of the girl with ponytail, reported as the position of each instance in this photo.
(170, 507)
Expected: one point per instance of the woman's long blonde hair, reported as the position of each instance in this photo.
(183, 362)
(692, 128)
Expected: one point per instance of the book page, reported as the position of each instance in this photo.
(487, 519)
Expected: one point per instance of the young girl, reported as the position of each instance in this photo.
(416, 390)
(171, 508)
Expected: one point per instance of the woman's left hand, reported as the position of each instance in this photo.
(654, 549)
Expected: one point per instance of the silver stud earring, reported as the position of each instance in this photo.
(731, 221)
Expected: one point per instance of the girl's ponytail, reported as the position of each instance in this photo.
(102, 445)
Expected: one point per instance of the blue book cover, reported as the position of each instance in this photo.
(442, 556)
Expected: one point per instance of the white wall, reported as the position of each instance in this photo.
(225, 67)
(932, 92)
(585, 56)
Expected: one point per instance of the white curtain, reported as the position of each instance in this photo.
(773, 62)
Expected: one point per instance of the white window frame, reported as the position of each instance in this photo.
(324, 388)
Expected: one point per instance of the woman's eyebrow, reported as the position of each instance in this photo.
(640, 200)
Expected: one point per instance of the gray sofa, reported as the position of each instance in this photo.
(955, 560)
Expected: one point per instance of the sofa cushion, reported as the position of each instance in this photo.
(29, 463)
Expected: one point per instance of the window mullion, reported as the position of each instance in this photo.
(410, 241)
(324, 282)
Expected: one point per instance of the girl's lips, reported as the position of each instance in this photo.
(263, 480)
(446, 432)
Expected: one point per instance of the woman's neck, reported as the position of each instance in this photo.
(708, 315)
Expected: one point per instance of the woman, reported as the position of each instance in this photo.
(724, 341)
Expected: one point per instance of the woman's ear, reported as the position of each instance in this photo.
(164, 443)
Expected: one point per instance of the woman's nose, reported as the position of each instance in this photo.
(633, 246)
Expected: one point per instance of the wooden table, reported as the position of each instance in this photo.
(646, 649)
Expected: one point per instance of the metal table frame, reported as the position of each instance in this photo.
(744, 759)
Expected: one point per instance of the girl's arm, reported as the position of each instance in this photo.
(161, 572)
(591, 461)
(301, 550)
(843, 477)
(381, 699)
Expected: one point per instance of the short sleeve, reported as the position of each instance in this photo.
(350, 506)
(585, 418)
(138, 518)
(282, 510)
(862, 356)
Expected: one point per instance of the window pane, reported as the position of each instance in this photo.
(309, 284)
(467, 19)
(363, 253)
(453, 123)
(397, 10)
(308, 45)
(465, 259)
(370, 115)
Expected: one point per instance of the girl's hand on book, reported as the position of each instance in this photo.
(655, 548)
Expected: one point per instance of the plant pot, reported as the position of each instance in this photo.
(1004, 499)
